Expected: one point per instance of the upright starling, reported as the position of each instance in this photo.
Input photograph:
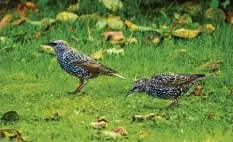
(79, 64)
(167, 85)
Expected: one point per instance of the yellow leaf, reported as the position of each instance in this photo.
(215, 14)
(115, 23)
(113, 5)
(98, 55)
(130, 25)
(186, 33)
(74, 7)
(208, 27)
(114, 51)
(66, 17)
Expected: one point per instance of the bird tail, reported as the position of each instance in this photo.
(204, 76)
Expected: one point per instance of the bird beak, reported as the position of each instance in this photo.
(50, 44)
(130, 92)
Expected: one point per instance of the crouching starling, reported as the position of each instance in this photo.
(79, 64)
(167, 85)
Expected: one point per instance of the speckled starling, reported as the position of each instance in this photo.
(167, 85)
(79, 64)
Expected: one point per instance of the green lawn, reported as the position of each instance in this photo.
(33, 84)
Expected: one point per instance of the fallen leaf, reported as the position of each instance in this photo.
(208, 27)
(66, 17)
(132, 40)
(210, 66)
(23, 8)
(115, 23)
(99, 119)
(12, 134)
(144, 134)
(230, 17)
(134, 27)
(114, 51)
(155, 39)
(18, 22)
(10, 116)
(111, 134)
(215, 14)
(191, 7)
(113, 5)
(198, 91)
(186, 33)
(212, 116)
(130, 25)
(113, 36)
(101, 124)
(101, 24)
(55, 117)
(143, 117)
(98, 55)
(121, 131)
(5, 21)
(74, 7)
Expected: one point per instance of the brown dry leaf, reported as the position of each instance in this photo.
(230, 17)
(55, 117)
(98, 55)
(113, 36)
(23, 8)
(143, 117)
(210, 66)
(5, 21)
(186, 33)
(101, 124)
(12, 134)
(121, 131)
(99, 119)
(111, 134)
(17, 22)
(215, 14)
(144, 134)
(198, 91)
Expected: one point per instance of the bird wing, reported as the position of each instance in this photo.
(176, 79)
(94, 67)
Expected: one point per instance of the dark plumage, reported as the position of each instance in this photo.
(167, 85)
(79, 64)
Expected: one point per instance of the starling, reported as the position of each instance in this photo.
(167, 85)
(79, 64)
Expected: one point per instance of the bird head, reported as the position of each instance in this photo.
(58, 45)
(139, 86)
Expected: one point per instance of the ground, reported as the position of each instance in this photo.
(33, 84)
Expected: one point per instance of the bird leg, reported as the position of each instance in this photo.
(82, 83)
(174, 103)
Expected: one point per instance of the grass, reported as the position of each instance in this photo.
(33, 84)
